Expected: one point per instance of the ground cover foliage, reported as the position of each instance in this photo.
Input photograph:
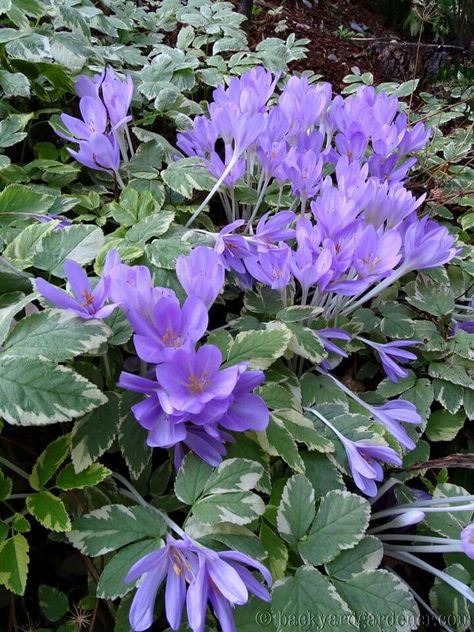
(236, 331)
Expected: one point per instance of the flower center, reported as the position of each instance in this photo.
(88, 298)
(171, 339)
(198, 384)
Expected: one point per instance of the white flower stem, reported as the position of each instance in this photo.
(403, 508)
(417, 538)
(461, 588)
(225, 173)
(134, 495)
(425, 548)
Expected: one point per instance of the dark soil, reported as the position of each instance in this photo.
(350, 35)
(331, 51)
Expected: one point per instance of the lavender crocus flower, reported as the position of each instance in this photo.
(271, 230)
(363, 457)
(392, 352)
(427, 245)
(232, 248)
(86, 302)
(194, 575)
(170, 328)
(467, 540)
(392, 413)
(223, 580)
(117, 97)
(247, 411)
(94, 120)
(201, 274)
(100, 152)
(89, 86)
(272, 267)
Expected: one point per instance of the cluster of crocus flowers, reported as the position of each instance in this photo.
(101, 131)
(192, 401)
(391, 526)
(357, 230)
(195, 576)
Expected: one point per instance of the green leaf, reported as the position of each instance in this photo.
(297, 313)
(149, 227)
(21, 250)
(260, 348)
(252, 615)
(448, 523)
(277, 441)
(277, 558)
(6, 485)
(305, 343)
(135, 206)
(56, 335)
(191, 478)
(49, 510)
(68, 478)
(132, 437)
(307, 602)
(113, 526)
(93, 434)
(365, 556)
(397, 321)
(322, 473)
(187, 175)
(19, 198)
(444, 426)
(239, 508)
(14, 560)
(297, 509)
(340, 524)
(451, 373)
(431, 297)
(81, 243)
(32, 47)
(381, 598)
(8, 313)
(49, 461)
(14, 84)
(447, 601)
(234, 475)
(163, 253)
(111, 584)
(34, 392)
(53, 603)
(302, 430)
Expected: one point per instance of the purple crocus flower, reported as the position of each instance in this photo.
(247, 411)
(377, 255)
(117, 96)
(363, 458)
(427, 245)
(63, 222)
(328, 334)
(131, 287)
(467, 540)
(194, 575)
(271, 230)
(100, 152)
(94, 120)
(310, 268)
(392, 352)
(232, 248)
(89, 86)
(223, 580)
(177, 562)
(193, 379)
(86, 302)
(392, 413)
(170, 328)
(271, 267)
(201, 274)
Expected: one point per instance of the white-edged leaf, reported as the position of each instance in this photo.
(36, 392)
(297, 509)
(234, 475)
(56, 335)
(340, 524)
(114, 526)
